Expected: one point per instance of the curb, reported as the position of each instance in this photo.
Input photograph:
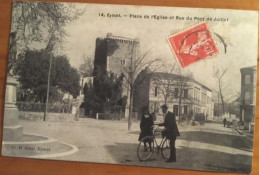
(240, 132)
(245, 135)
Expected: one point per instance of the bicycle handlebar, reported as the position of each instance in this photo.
(157, 129)
(155, 125)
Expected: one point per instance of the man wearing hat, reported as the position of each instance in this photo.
(171, 131)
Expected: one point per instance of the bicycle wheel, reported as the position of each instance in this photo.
(165, 150)
(144, 153)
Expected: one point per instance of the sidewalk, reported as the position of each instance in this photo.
(208, 127)
(245, 133)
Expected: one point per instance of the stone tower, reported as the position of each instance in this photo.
(116, 54)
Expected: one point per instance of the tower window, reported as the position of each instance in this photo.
(156, 91)
(123, 62)
(247, 79)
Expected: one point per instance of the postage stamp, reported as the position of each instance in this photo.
(193, 44)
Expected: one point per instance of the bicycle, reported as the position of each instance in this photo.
(144, 153)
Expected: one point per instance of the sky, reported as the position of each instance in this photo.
(237, 28)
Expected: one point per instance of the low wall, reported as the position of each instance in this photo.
(115, 116)
(108, 116)
(34, 116)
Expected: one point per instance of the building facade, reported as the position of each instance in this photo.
(159, 88)
(115, 53)
(248, 96)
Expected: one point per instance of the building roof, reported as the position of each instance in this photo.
(109, 35)
(250, 68)
(164, 75)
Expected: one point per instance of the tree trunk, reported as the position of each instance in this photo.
(165, 99)
(180, 98)
(222, 102)
(179, 112)
(130, 110)
(221, 95)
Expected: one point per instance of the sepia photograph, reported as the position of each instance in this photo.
(163, 87)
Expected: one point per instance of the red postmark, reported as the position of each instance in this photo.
(193, 44)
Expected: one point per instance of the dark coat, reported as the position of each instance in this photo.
(171, 128)
(146, 127)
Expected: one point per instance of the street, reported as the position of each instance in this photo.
(210, 147)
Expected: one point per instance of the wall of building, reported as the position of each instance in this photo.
(141, 93)
(122, 56)
(116, 54)
(248, 92)
(113, 53)
(100, 60)
(198, 98)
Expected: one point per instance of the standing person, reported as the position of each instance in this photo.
(224, 122)
(171, 131)
(146, 127)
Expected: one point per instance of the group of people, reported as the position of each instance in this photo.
(171, 130)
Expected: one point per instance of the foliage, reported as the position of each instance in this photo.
(86, 69)
(37, 21)
(40, 22)
(107, 86)
(164, 82)
(131, 71)
(105, 93)
(32, 70)
(219, 73)
(64, 76)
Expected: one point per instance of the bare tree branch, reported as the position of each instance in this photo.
(86, 68)
(219, 73)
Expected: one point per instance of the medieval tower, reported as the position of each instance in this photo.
(116, 54)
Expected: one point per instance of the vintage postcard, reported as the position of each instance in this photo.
(132, 85)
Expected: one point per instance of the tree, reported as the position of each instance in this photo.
(86, 69)
(165, 83)
(105, 93)
(32, 70)
(182, 84)
(64, 76)
(172, 84)
(90, 104)
(40, 22)
(132, 69)
(219, 74)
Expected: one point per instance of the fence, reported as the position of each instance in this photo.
(34, 116)
(110, 116)
(40, 107)
(115, 116)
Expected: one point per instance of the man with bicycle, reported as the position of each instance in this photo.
(171, 131)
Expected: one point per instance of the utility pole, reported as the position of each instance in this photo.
(48, 50)
(218, 105)
(131, 80)
(48, 90)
